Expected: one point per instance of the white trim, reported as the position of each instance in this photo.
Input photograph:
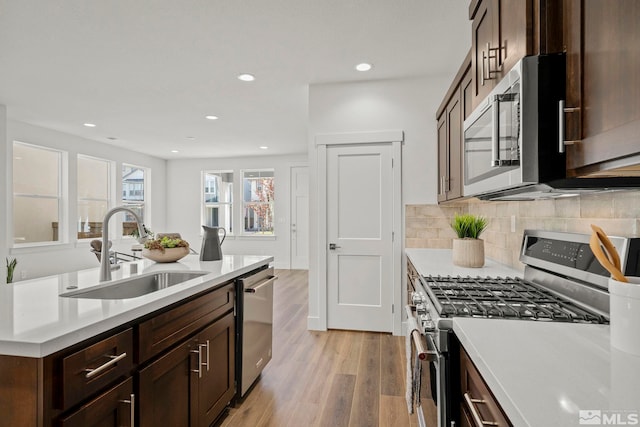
(395, 138)
(360, 137)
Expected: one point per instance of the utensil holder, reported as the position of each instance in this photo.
(624, 312)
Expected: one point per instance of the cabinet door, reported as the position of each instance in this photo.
(603, 85)
(114, 408)
(515, 26)
(165, 388)
(216, 386)
(454, 129)
(443, 157)
(484, 36)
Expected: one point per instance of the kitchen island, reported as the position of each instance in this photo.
(164, 357)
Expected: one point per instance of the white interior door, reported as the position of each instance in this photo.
(299, 217)
(359, 235)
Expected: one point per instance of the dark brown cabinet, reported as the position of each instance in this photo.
(602, 42)
(450, 116)
(503, 32)
(477, 405)
(191, 384)
(113, 408)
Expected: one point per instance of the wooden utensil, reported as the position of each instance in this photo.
(608, 257)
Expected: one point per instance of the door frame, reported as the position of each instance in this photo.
(395, 138)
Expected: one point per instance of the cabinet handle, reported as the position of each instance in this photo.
(495, 134)
(442, 190)
(132, 408)
(207, 362)
(199, 370)
(90, 373)
(484, 60)
(561, 126)
(474, 411)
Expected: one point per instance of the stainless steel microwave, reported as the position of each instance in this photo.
(511, 140)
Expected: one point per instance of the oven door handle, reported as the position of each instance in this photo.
(431, 353)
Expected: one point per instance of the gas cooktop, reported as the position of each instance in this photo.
(503, 298)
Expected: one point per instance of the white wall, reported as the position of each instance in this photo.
(407, 104)
(47, 260)
(184, 203)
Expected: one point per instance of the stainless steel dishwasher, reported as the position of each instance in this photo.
(254, 326)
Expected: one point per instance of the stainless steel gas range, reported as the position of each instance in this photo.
(562, 282)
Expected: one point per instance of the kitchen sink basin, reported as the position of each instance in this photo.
(135, 286)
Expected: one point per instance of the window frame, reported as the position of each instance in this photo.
(205, 204)
(145, 203)
(244, 204)
(110, 186)
(62, 198)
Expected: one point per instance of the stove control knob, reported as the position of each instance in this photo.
(429, 326)
(416, 298)
(421, 309)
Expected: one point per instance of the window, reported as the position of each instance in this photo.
(257, 197)
(218, 199)
(37, 194)
(133, 196)
(93, 195)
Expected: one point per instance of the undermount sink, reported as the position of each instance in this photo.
(135, 286)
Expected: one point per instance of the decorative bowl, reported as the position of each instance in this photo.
(169, 254)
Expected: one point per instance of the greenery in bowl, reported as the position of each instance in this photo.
(165, 243)
(469, 226)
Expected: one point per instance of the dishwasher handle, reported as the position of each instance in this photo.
(262, 284)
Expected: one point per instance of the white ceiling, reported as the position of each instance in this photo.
(147, 71)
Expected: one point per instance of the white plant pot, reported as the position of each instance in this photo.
(468, 252)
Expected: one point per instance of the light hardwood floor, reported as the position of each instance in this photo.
(333, 378)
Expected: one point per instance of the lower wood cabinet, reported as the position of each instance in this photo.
(478, 407)
(113, 408)
(191, 384)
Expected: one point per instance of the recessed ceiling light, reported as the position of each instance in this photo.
(112, 138)
(191, 138)
(363, 67)
(211, 117)
(90, 125)
(264, 147)
(246, 77)
(174, 151)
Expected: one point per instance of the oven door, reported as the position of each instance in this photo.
(435, 403)
(424, 352)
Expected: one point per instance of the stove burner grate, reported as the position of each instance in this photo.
(503, 298)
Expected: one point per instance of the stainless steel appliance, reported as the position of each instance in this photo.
(254, 327)
(511, 140)
(514, 141)
(562, 282)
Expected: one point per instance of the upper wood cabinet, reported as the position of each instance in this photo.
(450, 116)
(504, 31)
(602, 112)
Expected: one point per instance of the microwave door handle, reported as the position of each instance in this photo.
(495, 132)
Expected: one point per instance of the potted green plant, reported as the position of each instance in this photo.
(11, 267)
(468, 248)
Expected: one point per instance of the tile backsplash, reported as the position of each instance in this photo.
(617, 212)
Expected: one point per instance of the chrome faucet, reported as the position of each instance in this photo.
(105, 267)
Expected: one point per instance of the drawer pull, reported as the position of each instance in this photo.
(90, 373)
(471, 403)
(132, 408)
(199, 370)
(207, 347)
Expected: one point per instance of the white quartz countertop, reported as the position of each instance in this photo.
(36, 321)
(437, 262)
(545, 373)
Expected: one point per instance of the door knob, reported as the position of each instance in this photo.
(333, 246)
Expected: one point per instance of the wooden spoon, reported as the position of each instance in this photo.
(608, 257)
